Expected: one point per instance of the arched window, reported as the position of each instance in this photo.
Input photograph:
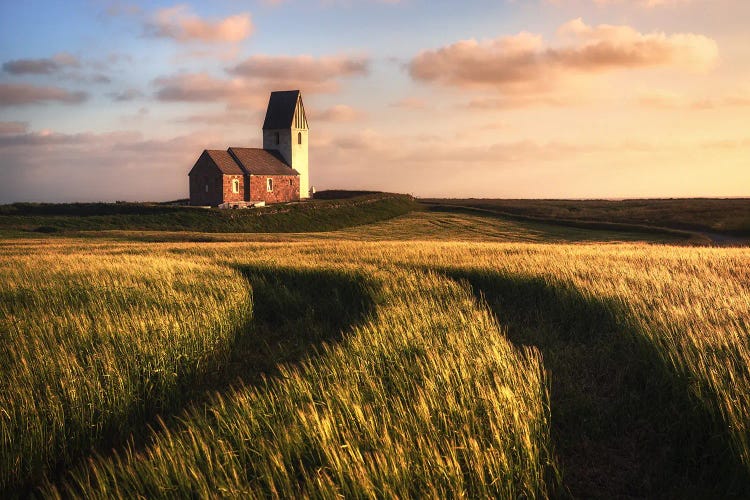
(299, 137)
(236, 186)
(269, 184)
(277, 137)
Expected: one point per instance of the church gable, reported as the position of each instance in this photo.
(212, 160)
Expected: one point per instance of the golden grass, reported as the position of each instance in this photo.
(94, 344)
(427, 397)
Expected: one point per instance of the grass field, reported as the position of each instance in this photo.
(722, 217)
(430, 355)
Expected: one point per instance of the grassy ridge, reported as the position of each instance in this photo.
(446, 369)
(723, 216)
(317, 215)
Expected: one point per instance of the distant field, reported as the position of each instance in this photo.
(434, 354)
(422, 226)
(723, 216)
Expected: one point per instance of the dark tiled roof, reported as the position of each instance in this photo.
(224, 161)
(258, 161)
(280, 110)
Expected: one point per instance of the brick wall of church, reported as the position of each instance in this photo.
(229, 196)
(285, 188)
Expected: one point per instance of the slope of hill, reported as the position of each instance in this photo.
(314, 215)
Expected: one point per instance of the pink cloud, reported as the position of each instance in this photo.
(304, 67)
(525, 63)
(201, 87)
(180, 24)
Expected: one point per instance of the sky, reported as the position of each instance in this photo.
(104, 100)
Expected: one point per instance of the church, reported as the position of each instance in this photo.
(241, 177)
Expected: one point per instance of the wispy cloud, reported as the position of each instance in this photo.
(664, 99)
(138, 168)
(13, 128)
(252, 79)
(201, 87)
(22, 94)
(337, 113)
(125, 95)
(42, 66)
(410, 103)
(304, 67)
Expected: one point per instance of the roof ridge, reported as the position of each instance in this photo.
(260, 161)
(238, 161)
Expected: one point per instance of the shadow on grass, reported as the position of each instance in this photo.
(294, 312)
(624, 425)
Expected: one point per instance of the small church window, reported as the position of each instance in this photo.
(299, 137)
(207, 188)
(277, 137)
(290, 182)
(236, 186)
(269, 185)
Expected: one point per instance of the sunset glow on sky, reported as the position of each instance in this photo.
(115, 100)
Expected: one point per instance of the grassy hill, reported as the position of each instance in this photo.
(315, 215)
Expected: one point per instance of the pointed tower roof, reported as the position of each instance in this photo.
(280, 112)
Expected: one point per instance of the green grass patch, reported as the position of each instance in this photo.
(314, 215)
(723, 216)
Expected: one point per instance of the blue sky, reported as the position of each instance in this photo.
(103, 100)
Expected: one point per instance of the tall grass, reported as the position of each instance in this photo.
(93, 345)
(427, 396)
(415, 402)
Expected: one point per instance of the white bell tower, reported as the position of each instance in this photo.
(285, 129)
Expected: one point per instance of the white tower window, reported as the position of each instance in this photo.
(299, 137)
